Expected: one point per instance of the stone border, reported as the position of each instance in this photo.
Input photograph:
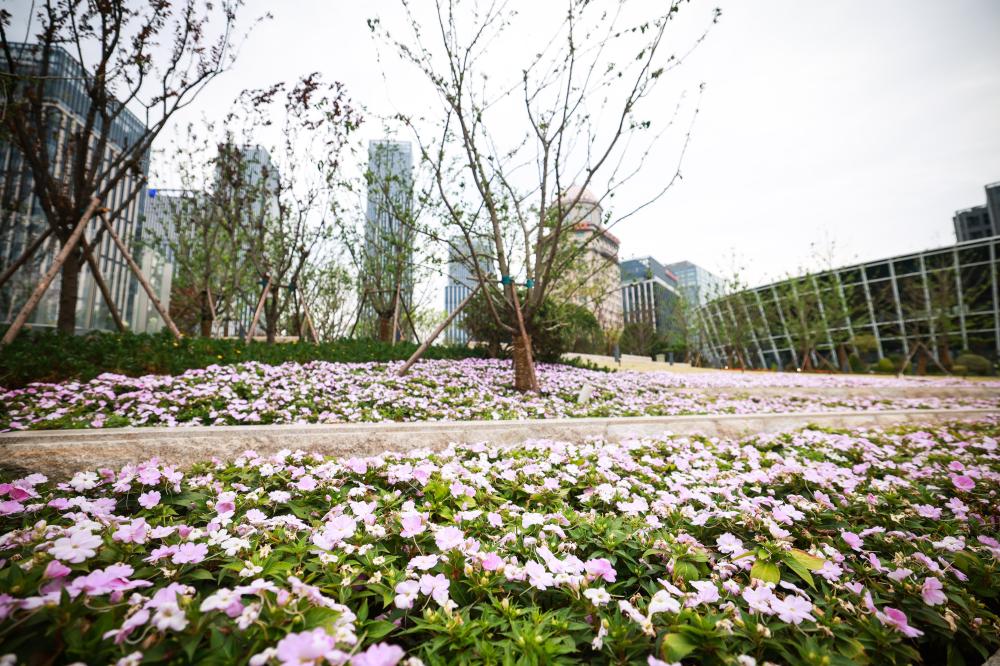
(59, 453)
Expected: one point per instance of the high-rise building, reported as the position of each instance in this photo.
(388, 265)
(21, 216)
(649, 293)
(697, 285)
(979, 221)
(462, 280)
(155, 239)
(593, 279)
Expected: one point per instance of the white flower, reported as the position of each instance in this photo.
(663, 602)
(169, 616)
(597, 595)
(77, 547)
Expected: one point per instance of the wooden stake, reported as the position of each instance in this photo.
(88, 254)
(395, 314)
(142, 278)
(309, 321)
(47, 279)
(260, 308)
(437, 331)
(37, 243)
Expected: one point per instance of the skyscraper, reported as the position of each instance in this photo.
(21, 216)
(593, 279)
(462, 280)
(388, 254)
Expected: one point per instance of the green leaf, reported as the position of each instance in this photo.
(765, 571)
(800, 569)
(379, 628)
(676, 646)
(810, 562)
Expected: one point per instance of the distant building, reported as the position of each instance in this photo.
(461, 281)
(979, 221)
(388, 238)
(21, 217)
(697, 285)
(649, 293)
(594, 280)
(155, 239)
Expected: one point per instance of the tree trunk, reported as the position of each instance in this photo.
(206, 315)
(271, 312)
(922, 360)
(69, 286)
(944, 354)
(384, 327)
(524, 368)
(845, 364)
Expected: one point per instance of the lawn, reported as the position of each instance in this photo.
(470, 389)
(809, 547)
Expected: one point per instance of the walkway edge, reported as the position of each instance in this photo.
(60, 453)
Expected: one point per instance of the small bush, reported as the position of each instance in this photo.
(857, 365)
(48, 356)
(885, 365)
(975, 364)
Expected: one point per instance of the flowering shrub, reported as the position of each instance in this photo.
(809, 547)
(321, 392)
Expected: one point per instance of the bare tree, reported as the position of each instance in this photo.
(575, 114)
(287, 228)
(154, 57)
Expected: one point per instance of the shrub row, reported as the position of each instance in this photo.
(51, 357)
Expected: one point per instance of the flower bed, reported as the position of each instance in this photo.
(321, 392)
(809, 547)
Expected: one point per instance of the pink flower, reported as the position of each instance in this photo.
(491, 562)
(852, 540)
(423, 562)
(896, 618)
(759, 599)
(226, 504)
(413, 524)
(406, 593)
(135, 531)
(932, 592)
(305, 648)
(601, 568)
(382, 654)
(963, 482)
(150, 499)
(190, 553)
(435, 586)
(448, 538)
(306, 483)
(56, 569)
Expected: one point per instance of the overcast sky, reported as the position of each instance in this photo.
(858, 123)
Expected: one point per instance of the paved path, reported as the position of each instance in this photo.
(63, 452)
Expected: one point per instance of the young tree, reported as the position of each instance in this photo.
(293, 223)
(153, 57)
(577, 111)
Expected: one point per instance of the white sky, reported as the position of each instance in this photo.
(861, 123)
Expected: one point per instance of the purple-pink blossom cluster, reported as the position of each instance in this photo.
(472, 389)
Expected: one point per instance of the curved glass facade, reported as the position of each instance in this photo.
(943, 300)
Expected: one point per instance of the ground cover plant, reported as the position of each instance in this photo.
(319, 392)
(809, 547)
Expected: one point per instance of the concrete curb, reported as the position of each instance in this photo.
(60, 453)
